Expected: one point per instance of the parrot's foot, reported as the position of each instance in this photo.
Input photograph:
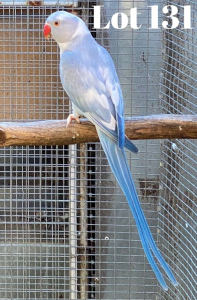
(70, 118)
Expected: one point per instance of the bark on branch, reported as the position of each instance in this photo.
(54, 132)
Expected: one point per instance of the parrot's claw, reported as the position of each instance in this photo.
(70, 118)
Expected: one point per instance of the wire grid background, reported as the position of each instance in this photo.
(178, 215)
(65, 228)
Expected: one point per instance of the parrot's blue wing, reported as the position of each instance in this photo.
(115, 93)
(130, 146)
(96, 92)
(118, 163)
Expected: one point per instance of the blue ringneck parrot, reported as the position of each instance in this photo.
(89, 77)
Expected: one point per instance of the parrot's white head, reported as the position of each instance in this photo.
(64, 27)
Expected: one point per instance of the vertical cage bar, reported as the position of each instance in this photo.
(73, 220)
(83, 223)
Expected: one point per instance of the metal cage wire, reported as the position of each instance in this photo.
(178, 176)
(65, 228)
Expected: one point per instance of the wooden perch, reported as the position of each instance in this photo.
(54, 132)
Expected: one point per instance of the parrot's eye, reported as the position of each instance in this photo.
(56, 23)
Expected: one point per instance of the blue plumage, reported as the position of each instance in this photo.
(118, 163)
(89, 77)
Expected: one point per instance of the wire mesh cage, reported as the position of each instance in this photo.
(65, 228)
(178, 176)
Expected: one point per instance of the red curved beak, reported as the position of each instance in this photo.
(47, 31)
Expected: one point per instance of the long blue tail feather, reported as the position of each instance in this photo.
(118, 163)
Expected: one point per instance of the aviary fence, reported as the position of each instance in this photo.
(65, 228)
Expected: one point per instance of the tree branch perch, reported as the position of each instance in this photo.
(54, 132)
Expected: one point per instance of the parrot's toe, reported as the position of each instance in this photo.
(70, 118)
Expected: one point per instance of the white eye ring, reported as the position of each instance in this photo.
(56, 23)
